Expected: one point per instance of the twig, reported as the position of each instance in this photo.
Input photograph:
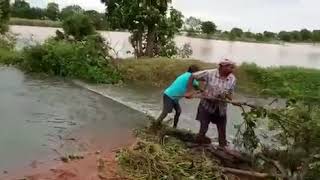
(273, 101)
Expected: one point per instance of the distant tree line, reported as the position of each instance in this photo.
(22, 9)
(192, 25)
(195, 27)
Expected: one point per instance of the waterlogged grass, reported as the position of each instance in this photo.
(34, 22)
(157, 72)
(275, 81)
(282, 81)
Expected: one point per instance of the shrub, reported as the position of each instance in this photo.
(9, 57)
(78, 25)
(80, 59)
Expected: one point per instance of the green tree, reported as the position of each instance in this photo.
(208, 27)
(193, 24)
(237, 32)
(260, 37)
(285, 36)
(37, 13)
(20, 8)
(53, 11)
(296, 36)
(70, 10)
(269, 35)
(78, 25)
(98, 19)
(145, 19)
(249, 34)
(4, 15)
(306, 34)
(316, 35)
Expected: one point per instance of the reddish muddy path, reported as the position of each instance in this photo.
(98, 163)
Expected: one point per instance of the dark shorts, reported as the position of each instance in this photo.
(169, 104)
(206, 117)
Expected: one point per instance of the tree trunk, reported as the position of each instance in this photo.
(140, 45)
(150, 41)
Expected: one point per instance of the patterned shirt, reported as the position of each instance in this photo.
(215, 87)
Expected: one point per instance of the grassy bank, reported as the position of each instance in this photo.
(282, 81)
(34, 22)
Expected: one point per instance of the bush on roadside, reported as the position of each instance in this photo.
(78, 25)
(77, 59)
(7, 54)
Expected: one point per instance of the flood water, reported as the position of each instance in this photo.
(304, 55)
(149, 101)
(36, 114)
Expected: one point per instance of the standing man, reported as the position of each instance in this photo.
(220, 83)
(175, 92)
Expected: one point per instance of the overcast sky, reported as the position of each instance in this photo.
(253, 15)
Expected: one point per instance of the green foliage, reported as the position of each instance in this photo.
(269, 35)
(4, 15)
(9, 57)
(193, 24)
(236, 32)
(208, 27)
(97, 19)
(22, 9)
(306, 35)
(7, 54)
(70, 10)
(80, 59)
(249, 34)
(298, 128)
(283, 81)
(285, 36)
(53, 11)
(148, 21)
(316, 36)
(78, 25)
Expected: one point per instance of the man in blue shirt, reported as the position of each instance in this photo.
(174, 93)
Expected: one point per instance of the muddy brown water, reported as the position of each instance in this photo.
(37, 113)
(289, 54)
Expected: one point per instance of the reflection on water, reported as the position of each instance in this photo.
(37, 113)
(305, 55)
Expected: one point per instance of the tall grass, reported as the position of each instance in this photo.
(34, 22)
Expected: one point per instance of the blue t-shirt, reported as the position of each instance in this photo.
(179, 87)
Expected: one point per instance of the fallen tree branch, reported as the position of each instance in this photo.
(250, 173)
(275, 163)
(239, 104)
